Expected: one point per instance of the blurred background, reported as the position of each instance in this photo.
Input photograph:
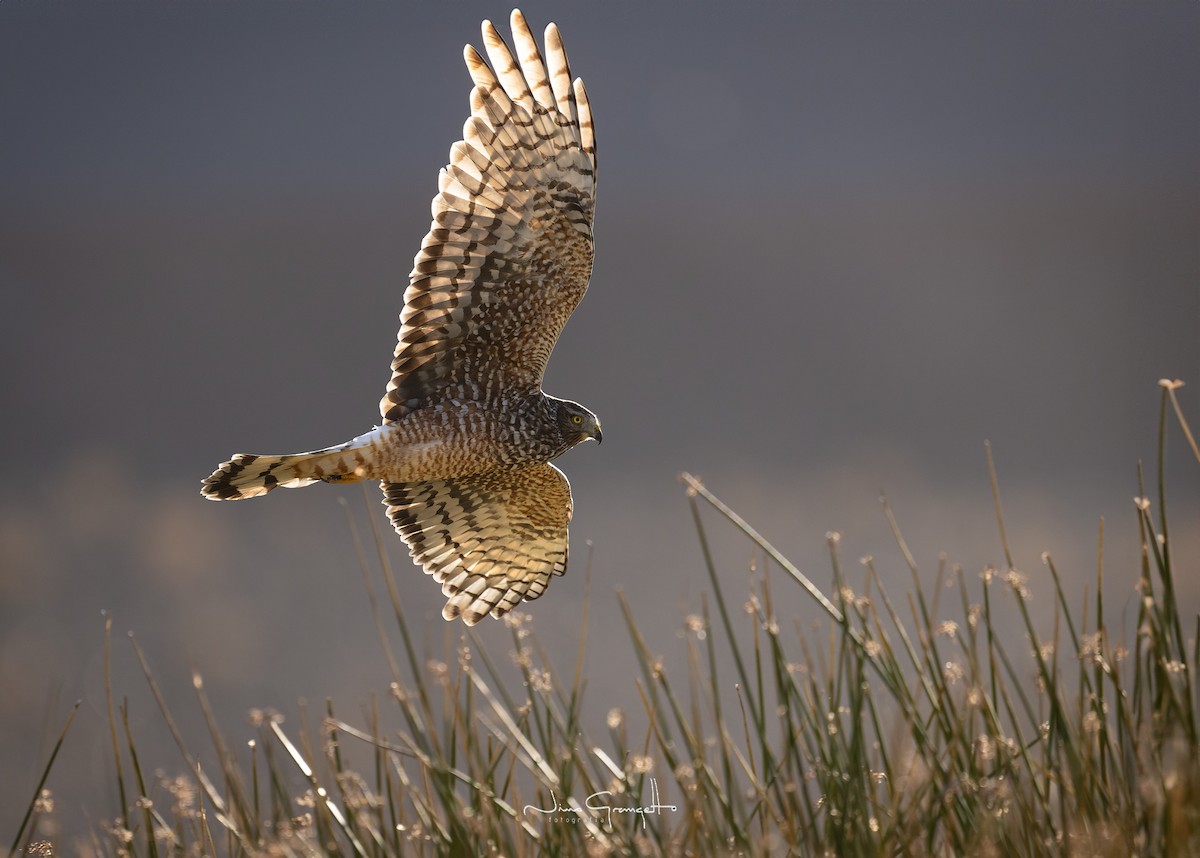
(838, 247)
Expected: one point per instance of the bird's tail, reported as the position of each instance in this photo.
(247, 476)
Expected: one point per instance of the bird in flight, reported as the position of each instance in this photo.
(463, 453)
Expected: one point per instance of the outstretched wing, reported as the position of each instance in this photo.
(509, 253)
(490, 540)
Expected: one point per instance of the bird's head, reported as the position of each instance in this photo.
(577, 423)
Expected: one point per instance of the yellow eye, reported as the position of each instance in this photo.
(576, 419)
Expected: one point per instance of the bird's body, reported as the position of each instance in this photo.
(463, 453)
(451, 439)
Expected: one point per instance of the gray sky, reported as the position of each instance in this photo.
(838, 247)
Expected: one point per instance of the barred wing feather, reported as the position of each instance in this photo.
(509, 252)
(491, 540)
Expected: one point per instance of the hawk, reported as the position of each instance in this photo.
(463, 453)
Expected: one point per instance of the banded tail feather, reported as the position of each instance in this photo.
(248, 476)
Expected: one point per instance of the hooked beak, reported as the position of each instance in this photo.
(598, 435)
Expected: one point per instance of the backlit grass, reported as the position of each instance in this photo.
(891, 730)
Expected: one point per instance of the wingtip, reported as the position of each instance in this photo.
(472, 617)
(469, 617)
(489, 32)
